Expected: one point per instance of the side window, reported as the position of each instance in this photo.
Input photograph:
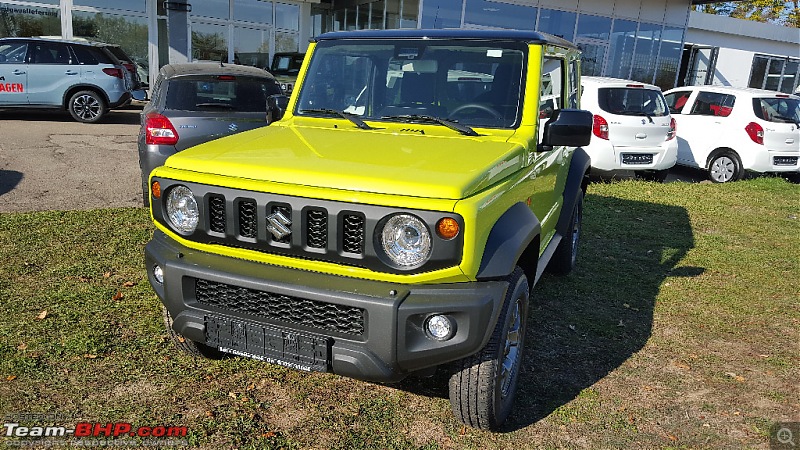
(573, 84)
(550, 98)
(713, 104)
(13, 53)
(84, 56)
(51, 53)
(676, 101)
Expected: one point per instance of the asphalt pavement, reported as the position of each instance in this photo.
(50, 162)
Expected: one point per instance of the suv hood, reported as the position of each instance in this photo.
(378, 161)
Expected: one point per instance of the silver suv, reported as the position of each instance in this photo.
(83, 78)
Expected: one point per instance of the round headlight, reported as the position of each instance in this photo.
(182, 210)
(406, 241)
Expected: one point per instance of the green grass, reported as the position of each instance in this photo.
(679, 330)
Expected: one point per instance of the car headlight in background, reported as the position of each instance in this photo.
(406, 241)
(182, 210)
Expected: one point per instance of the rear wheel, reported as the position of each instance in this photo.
(483, 386)
(87, 106)
(566, 255)
(725, 167)
(185, 345)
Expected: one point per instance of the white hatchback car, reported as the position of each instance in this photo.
(727, 130)
(633, 129)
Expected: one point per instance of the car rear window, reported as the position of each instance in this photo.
(90, 55)
(782, 110)
(212, 93)
(632, 101)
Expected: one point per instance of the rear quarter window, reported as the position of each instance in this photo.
(632, 101)
(209, 94)
(781, 110)
(84, 56)
(713, 104)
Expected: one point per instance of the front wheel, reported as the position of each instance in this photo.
(725, 167)
(87, 107)
(196, 349)
(483, 386)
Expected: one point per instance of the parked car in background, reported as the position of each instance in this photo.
(198, 102)
(727, 130)
(285, 67)
(632, 130)
(84, 78)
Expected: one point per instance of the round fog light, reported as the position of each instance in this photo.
(440, 327)
(158, 274)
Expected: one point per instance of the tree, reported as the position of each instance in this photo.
(775, 11)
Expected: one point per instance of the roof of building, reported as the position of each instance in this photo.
(741, 27)
(533, 37)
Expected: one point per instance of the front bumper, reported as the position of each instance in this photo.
(392, 344)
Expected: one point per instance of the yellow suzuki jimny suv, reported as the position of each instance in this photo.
(392, 222)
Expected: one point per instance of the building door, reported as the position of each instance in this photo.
(702, 65)
(593, 56)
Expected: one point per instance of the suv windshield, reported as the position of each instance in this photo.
(220, 92)
(469, 83)
(632, 101)
(784, 110)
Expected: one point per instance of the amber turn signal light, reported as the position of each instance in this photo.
(156, 189)
(447, 228)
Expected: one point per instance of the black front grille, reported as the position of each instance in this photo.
(247, 219)
(353, 233)
(216, 213)
(317, 228)
(281, 308)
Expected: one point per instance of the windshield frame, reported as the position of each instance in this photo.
(445, 61)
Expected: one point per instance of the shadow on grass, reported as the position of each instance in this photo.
(583, 326)
(9, 179)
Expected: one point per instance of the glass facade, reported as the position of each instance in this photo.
(775, 73)
(250, 31)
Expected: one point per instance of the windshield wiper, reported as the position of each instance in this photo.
(214, 105)
(455, 126)
(788, 120)
(344, 115)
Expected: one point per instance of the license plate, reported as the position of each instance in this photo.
(637, 158)
(785, 160)
(272, 345)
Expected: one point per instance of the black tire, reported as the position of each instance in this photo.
(657, 176)
(483, 386)
(87, 106)
(725, 167)
(565, 257)
(193, 348)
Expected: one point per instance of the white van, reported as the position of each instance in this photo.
(727, 130)
(633, 129)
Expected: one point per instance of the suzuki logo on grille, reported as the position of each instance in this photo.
(233, 127)
(279, 225)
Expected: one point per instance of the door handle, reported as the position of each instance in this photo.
(70, 72)
(18, 72)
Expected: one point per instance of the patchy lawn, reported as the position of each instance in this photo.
(679, 330)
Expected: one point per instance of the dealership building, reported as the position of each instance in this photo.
(655, 41)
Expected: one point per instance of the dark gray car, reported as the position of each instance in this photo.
(197, 102)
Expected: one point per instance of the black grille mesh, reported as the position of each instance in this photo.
(247, 219)
(317, 228)
(353, 233)
(282, 308)
(216, 213)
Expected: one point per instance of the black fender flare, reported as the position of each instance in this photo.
(576, 181)
(510, 236)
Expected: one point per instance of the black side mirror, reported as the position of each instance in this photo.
(276, 106)
(567, 127)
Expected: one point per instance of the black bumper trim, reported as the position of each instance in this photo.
(393, 343)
